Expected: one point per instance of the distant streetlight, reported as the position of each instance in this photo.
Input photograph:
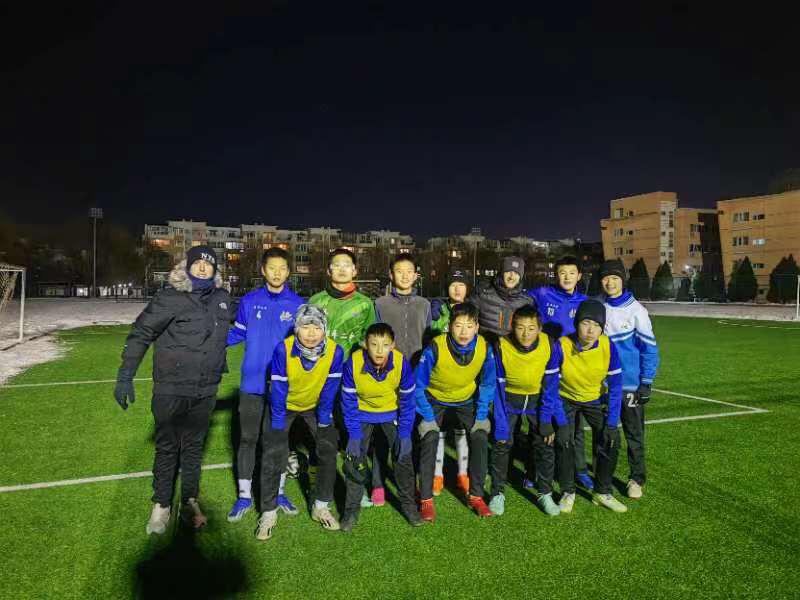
(94, 214)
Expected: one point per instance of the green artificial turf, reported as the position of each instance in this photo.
(718, 519)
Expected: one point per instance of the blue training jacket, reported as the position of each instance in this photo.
(629, 327)
(263, 321)
(557, 309)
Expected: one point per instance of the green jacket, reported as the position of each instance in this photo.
(441, 324)
(348, 318)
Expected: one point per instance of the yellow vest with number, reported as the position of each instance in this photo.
(584, 372)
(305, 386)
(525, 370)
(373, 395)
(450, 381)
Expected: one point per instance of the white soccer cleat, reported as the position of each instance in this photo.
(634, 490)
(325, 517)
(266, 523)
(609, 502)
(159, 519)
(566, 503)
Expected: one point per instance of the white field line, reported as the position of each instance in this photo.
(83, 480)
(31, 385)
(749, 410)
(724, 322)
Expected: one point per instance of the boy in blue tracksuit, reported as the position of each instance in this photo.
(528, 365)
(629, 327)
(378, 395)
(557, 306)
(265, 317)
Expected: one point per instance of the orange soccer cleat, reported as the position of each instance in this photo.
(477, 504)
(462, 483)
(427, 510)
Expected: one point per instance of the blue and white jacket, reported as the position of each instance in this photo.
(629, 327)
(263, 321)
(557, 309)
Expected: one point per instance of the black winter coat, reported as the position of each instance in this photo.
(497, 305)
(189, 330)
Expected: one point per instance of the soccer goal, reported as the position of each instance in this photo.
(9, 274)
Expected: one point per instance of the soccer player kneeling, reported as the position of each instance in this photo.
(590, 359)
(456, 380)
(528, 363)
(377, 393)
(306, 373)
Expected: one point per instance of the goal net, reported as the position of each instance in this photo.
(9, 277)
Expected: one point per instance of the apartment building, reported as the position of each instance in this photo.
(762, 228)
(652, 227)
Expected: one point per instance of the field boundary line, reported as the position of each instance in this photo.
(681, 395)
(90, 382)
(83, 480)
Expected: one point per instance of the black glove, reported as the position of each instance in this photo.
(610, 437)
(546, 429)
(643, 393)
(123, 391)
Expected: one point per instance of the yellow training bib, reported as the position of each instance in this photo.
(583, 373)
(525, 370)
(306, 386)
(450, 381)
(373, 395)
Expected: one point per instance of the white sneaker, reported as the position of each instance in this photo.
(566, 503)
(192, 515)
(634, 490)
(609, 502)
(266, 523)
(325, 517)
(159, 519)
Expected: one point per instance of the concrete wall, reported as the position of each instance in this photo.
(765, 312)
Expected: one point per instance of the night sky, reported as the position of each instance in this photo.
(412, 118)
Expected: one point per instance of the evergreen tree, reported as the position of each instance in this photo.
(743, 286)
(639, 280)
(683, 291)
(783, 281)
(662, 283)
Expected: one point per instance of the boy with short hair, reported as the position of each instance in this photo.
(349, 311)
(528, 365)
(497, 301)
(591, 386)
(306, 373)
(457, 290)
(409, 316)
(264, 318)
(557, 306)
(378, 393)
(456, 380)
(629, 327)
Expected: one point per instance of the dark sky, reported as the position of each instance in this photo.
(413, 118)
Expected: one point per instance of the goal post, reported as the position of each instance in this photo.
(9, 274)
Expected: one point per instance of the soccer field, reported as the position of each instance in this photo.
(718, 519)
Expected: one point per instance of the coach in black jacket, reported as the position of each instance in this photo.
(188, 322)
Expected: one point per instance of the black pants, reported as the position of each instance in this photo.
(607, 454)
(580, 446)
(403, 470)
(544, 456)
(464, 418)
(275, 450)
(251, 414)
(633, 426)
(181, 428)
